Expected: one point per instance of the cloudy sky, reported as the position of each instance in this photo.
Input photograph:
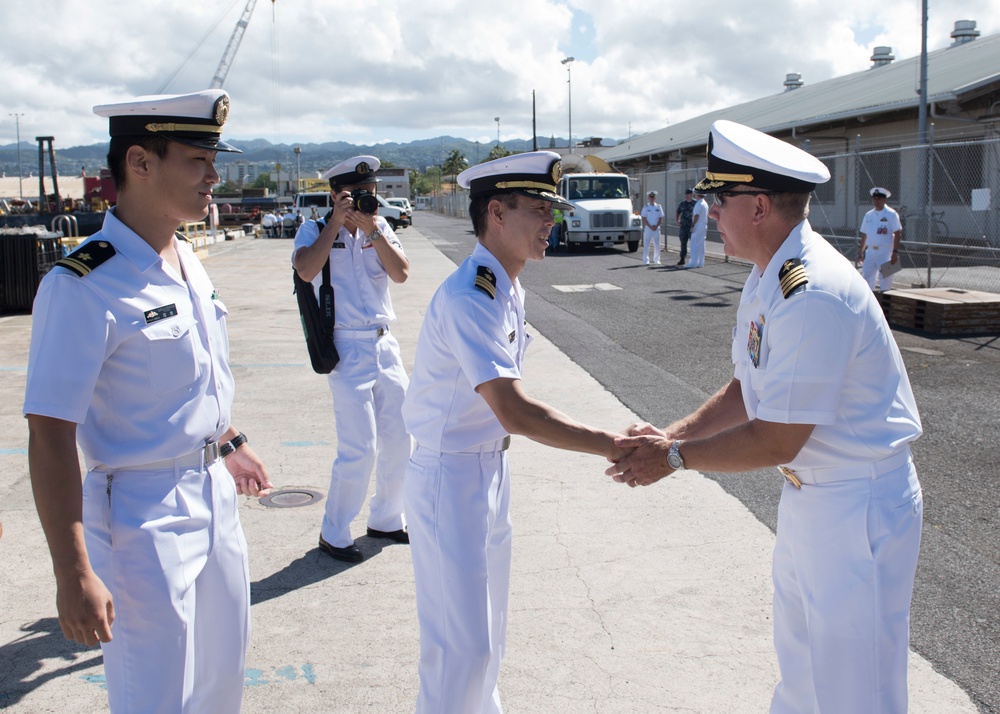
(400, 70)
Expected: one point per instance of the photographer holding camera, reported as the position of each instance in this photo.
(369, 382)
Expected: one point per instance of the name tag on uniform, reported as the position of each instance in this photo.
(754, 341)
(339, 244)
(511, 336)
(160, 313)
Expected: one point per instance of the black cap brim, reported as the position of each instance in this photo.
(211, 144)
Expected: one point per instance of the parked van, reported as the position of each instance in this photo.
(402, 203)
(320, 200)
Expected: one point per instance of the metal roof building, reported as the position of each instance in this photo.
(963, 90)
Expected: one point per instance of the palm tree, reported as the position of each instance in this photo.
(454, 165)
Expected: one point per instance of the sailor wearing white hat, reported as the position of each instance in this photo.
(699, 231)
(652, 219)
(362, 255)
(881, 232)
(819, 390)
(130, 357)
(464, 402)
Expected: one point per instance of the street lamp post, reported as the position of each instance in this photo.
(569, 83)
(298, 169)
(20, 174)
(497, 120)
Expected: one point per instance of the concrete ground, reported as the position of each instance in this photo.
(623, 601)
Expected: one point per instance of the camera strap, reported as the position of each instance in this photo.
(326, 291)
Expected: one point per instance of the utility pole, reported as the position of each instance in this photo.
(20, 174)
(569, 83)
(497, 120)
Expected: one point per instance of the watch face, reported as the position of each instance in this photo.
(674, 457)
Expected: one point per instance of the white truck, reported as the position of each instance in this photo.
(320, 201)
(602, 213)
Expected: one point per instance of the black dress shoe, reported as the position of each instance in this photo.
(400, 536)
(350, 553)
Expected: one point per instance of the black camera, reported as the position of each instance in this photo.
(364, 201)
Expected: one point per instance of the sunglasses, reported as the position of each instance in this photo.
(721, 196)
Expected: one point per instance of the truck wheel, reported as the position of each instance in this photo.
(393, 223)
(633, 246)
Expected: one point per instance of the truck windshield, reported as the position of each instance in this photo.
(319, 199)
(598, 187)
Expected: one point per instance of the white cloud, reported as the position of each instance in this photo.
(323, 70)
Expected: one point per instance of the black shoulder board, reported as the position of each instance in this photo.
(792, 276)
(87, 257)
(486, 281)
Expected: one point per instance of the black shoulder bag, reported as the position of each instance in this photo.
(317, 320)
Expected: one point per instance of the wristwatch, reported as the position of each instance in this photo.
(674, 458)
(375, 235)
(233, 444)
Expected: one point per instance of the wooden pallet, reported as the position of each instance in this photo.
(943, 311)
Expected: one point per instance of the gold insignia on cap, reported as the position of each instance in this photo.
(792, 276)
(525, 184)
(556, 171)
(363, 168)
(738, 178)
(486, 281)
(154, 127)
(221, 109)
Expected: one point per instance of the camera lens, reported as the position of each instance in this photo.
(365, 201)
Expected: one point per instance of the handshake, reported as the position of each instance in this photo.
(641, 458)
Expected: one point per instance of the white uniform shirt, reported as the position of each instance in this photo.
(467, 339)
(823, 356)
(360, 283)
(879, 227)
(132, 353)
(700, 228)
(651, 213)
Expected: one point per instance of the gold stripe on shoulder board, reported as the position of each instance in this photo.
(792, 276)
(486, 281)
(88, 256)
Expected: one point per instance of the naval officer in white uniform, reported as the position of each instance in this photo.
(129, 358)
(464, 402)
(820, 390)
(881, 233)
(652, 219)
(369, 382)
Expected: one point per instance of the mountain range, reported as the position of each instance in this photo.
(314, 159)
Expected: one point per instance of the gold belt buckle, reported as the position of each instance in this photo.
(790, 476)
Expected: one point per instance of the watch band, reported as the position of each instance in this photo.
(674, 458)
(233, 444)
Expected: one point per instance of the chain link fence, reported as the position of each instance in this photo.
(947, 195)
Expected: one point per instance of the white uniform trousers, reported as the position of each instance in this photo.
(844, 563)
(875, 257)
(458, 507)
(697, 247)
(368, 386)
(650, 238)
(169, 547)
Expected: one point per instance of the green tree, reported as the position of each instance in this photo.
(497, 152)
(454, 165)
(424, 184)
(264, 181)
